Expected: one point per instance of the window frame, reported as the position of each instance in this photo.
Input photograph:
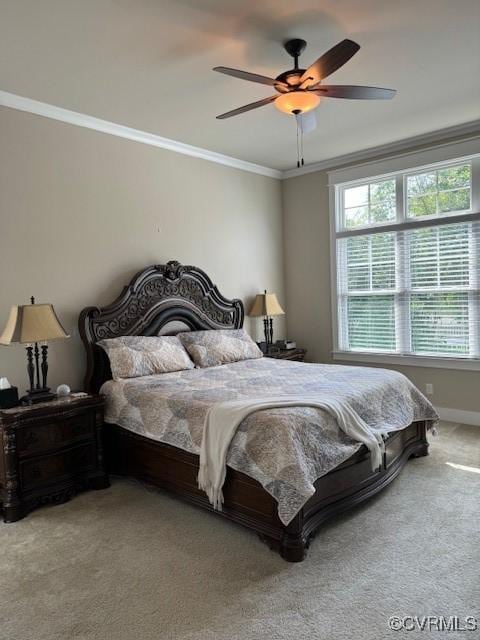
(400, 168)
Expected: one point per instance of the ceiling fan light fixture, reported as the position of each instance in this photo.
(297, 102)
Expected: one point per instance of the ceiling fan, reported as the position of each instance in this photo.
(300, 90)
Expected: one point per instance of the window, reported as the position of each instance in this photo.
(407, 258)
(369, 267)
(369, 203)
(438, 192)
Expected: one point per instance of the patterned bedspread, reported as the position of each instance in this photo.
(284, 449)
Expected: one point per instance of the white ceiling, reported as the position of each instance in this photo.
(147, 64)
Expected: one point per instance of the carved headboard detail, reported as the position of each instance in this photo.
(156, 296)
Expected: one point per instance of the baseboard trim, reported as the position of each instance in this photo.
(458, 415)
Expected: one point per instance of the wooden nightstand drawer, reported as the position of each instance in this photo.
(43, 470)
(49, 452)
(55, 433)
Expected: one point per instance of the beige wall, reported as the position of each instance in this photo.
(81, 212)
(307, 260)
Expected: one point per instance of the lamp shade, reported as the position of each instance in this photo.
(32, 323)
(266, 304)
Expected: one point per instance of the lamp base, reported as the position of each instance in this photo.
(34, 396)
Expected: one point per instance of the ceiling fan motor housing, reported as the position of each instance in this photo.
(291, 77)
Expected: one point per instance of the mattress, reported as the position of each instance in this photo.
(285, 449)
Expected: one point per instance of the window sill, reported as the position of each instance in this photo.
(412, 361)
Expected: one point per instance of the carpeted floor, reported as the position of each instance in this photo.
(132, 563)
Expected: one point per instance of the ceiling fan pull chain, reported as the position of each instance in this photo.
(298, 145)
(301, 143)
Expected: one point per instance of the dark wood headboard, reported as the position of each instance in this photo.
(157, 295)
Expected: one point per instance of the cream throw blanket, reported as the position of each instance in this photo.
(224, 418)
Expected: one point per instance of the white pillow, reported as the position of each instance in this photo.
(219, 346)
(135, 356)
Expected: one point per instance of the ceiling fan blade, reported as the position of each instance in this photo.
(252, 77)
(247, 107)
(332, 60)
(353, 92)
(307, 121)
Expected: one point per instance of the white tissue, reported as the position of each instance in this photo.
(4, 383)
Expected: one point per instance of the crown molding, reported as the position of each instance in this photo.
(53, 112)
(434, 137)
(14, 101)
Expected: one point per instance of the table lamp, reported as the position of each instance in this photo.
(267, 305)
(31, 324)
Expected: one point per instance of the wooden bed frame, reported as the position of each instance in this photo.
(164, 294)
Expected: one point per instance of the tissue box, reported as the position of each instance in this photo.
(8, 398)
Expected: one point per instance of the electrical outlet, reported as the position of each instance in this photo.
(429, 389)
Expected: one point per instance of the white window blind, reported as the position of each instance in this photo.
(407, 252)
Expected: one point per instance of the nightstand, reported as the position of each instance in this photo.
(49, 452)
(288, 354)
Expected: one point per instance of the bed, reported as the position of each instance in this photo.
(164, 299)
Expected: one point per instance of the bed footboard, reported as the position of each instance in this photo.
(247, 502)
